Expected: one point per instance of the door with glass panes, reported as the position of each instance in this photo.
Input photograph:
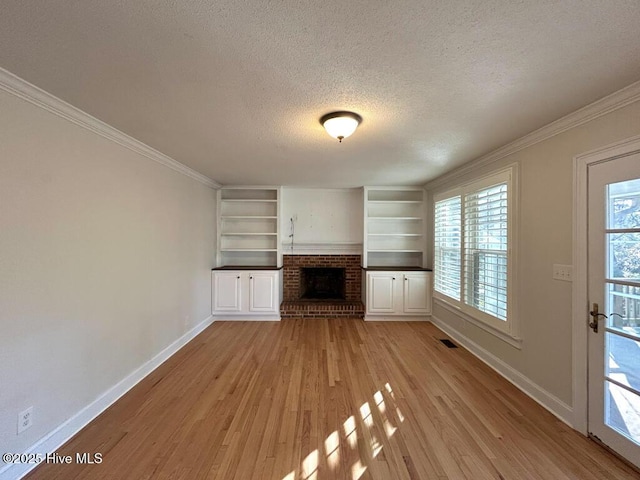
(614, 300)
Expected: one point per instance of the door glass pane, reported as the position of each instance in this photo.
(622, 411)
(624, 256)
(623, 308)
(624, 204)
(623, 355)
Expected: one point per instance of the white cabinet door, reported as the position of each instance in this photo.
(227, 292)
(263, 292)
(416, 293)
(381, 292)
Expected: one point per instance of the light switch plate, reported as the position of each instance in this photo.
(563, 272)
(25, 420)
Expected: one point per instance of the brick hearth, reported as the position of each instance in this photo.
(294, 307)
(309, 309)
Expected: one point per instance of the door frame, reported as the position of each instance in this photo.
(580, 300)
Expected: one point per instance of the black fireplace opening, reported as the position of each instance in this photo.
(322, 283)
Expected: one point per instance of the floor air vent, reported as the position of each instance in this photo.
(448, 343)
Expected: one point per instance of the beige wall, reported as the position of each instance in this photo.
(545, 233)
(105, 260)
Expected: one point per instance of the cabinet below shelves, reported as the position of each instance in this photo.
(245, 294)
(398, 295)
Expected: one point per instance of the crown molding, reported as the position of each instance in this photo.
(605, 105)
(20, 88)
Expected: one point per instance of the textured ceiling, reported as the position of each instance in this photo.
(234, 89)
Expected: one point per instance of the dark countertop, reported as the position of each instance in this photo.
(247, 267)
(397, 269)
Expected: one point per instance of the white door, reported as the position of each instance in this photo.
(416, 293)
(614, 291)
(262, 292)
(226, 292)
(381, 292)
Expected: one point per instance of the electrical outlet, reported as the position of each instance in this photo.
(25, 420)
(563, 272)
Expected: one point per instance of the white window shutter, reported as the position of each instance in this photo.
(485, 250)
(448, 244)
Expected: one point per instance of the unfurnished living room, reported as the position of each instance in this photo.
(290, 240)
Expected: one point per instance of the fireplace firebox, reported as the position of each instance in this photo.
(322, 283)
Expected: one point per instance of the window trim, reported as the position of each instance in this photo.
(504, 329)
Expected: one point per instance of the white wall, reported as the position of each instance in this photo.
(545, 222)
(105, 260)
(323, 215)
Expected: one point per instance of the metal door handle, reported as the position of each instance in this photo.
(595, 316)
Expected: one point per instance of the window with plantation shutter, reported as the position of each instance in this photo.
(472, 250)
(448, 240)
(485, 250)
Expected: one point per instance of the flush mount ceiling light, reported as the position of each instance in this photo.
(340, 124)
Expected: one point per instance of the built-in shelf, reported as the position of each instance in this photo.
(247, 234)
(392, 250)
(248, 226)
(374, 202)
(248, 249)
(373, 217)
(394, 234)
(394, 195)
(249, 193)
(249, 217)
(248, 200)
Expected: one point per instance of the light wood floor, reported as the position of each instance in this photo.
(319, 399)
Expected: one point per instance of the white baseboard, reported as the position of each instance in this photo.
(60, 435)
(396, 318)
(246, 318)
(549, 401)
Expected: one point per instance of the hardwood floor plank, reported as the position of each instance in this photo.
(330, 398)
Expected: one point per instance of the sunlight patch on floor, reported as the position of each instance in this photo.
(313, 464)
(357, 470)
(365, 413)
(350, 431)
(331, 447)
(310, 466)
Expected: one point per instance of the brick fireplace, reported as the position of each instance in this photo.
(295, 306)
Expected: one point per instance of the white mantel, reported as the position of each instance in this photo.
(325, 248)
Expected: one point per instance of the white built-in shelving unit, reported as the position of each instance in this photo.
(394, 227)
(248, 226)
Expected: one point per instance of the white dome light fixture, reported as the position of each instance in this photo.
(340, 124)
